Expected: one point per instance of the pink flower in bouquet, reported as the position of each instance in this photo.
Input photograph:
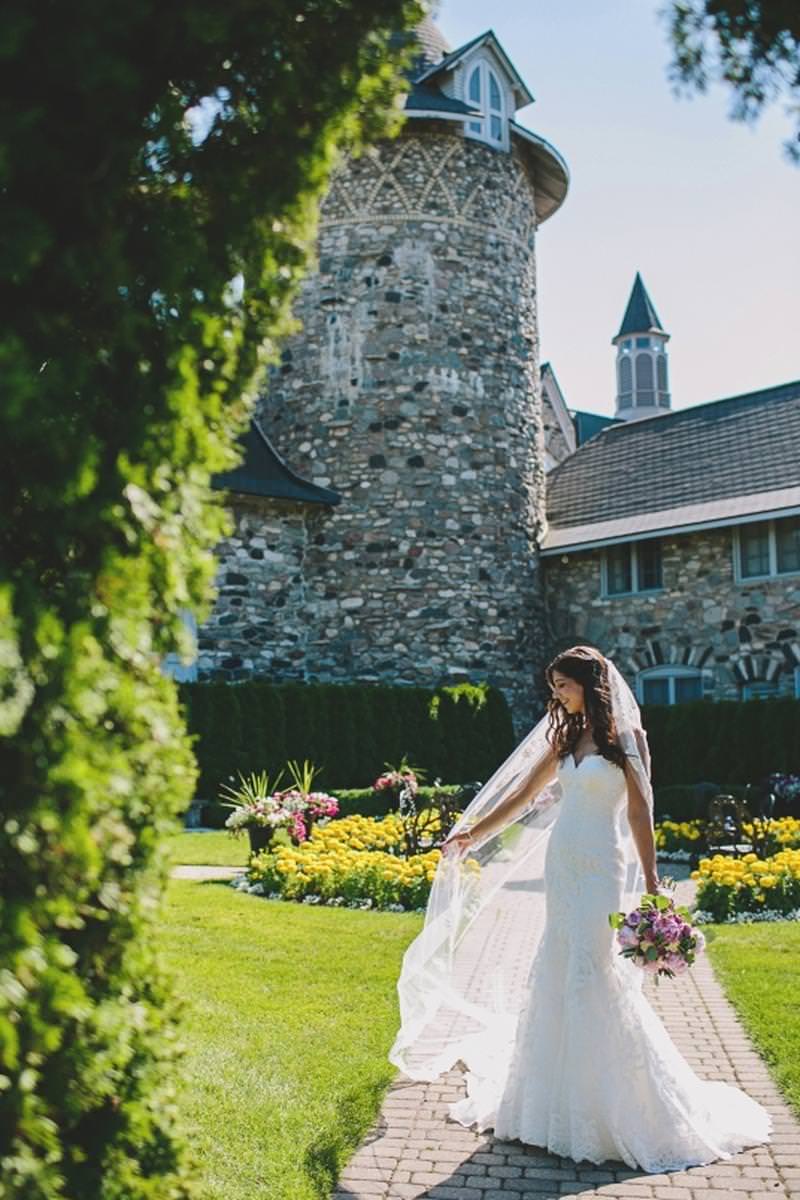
(658, 937)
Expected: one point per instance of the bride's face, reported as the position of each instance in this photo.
(568, 691)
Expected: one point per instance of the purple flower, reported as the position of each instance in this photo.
(633, 918)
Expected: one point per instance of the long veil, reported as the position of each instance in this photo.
(458, 989)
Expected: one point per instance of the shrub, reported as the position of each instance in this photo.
(130, 366)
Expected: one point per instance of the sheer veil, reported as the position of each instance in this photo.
(457, 988)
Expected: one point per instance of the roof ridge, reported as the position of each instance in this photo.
(673, 413)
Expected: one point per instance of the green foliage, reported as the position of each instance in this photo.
(148, 269)
(460, 734)
(727, 742)
(752, 45)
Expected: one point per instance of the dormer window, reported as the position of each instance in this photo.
(483, 89)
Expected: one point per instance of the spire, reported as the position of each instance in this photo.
(640, 315)
(642, 366)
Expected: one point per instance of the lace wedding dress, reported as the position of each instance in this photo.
(590, 1071)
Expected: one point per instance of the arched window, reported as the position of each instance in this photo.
(669, 685)
(645, 394)
(661, 372)
(474, 94)
(495, 108)
(483, 88)
(625, 382)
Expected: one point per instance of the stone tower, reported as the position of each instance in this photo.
(411, 394)
(642, 367)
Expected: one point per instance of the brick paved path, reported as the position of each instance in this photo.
(415, 1151)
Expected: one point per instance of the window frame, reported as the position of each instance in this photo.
(773, 693)
(671, 672)
(486, 70)
(773, 572)
(635, 590)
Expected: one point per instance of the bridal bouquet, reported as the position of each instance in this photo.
(658, 936)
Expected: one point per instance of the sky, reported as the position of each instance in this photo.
(707, 209)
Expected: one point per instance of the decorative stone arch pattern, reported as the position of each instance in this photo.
(436, 177)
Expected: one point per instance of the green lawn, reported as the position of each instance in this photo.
(211, 848)
(290, 1011)
(757, 966)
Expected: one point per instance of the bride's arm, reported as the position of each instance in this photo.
(642, 829)
(517, 801)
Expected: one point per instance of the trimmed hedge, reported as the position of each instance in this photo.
(458, 734)
(725, 742)
(461, 734)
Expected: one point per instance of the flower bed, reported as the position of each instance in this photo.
(678, 840)
(730, 887)
(355, 861)
(339, 875)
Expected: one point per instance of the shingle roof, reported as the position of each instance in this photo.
(703, 456)
(423, 97)
(264, 473)
(587, 424)
(640, 315)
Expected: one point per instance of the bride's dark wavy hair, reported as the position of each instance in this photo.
(587, 667)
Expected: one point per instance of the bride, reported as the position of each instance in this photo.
(516, 973)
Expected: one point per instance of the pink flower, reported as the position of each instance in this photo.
(651, 965)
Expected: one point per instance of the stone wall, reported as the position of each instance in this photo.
(702, 617)
(259, 624)
(412, 390)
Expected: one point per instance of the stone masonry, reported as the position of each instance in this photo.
(412, 390)
(701, 617)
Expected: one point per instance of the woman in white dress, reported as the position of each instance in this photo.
(517, 973)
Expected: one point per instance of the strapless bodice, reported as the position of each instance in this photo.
(593, 793)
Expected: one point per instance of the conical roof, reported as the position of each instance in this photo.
(430, 45)
(640, 315)
(432, 42)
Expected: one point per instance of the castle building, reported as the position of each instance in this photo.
(418, 504)
(390, 506)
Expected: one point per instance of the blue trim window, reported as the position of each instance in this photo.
(670, 685)
(767, 548)
(483, 88)
(633, 567)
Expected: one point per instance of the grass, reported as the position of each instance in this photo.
(209, 848)
(289, 1012)
(757, 966)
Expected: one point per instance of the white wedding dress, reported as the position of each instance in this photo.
(590, 1071)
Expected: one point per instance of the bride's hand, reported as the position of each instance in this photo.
(460, 841)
